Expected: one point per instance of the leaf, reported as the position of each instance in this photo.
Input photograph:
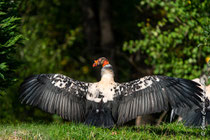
(3, 66)
(2, 76)
(2, 13)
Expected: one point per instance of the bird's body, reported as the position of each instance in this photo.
(107, 102)
(104, 89)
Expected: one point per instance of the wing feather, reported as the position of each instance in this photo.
(146, 99)
(179, 96)
(127, 110)
(160, 102)
(143, 105)
(152, 105)
(132, 108)
(69, 107)
(193, 99)
(33, 96)
(152, 94)
(137, 106)
(51, 102)
(155, 104)
(55, 93)
(38, 97)
(30, 91)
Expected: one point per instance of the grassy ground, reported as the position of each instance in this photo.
(60, 131)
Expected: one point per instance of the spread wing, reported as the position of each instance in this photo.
(193, 116)
(56, 93)
(152, 94)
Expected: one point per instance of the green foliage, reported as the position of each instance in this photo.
(175, 37)
(9, 37)
(53, 42)
(80, 132)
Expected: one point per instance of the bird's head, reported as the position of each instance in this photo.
(100, 61)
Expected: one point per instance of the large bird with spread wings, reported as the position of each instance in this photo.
(107, 102)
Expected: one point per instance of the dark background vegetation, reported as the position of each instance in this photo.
(139, 37)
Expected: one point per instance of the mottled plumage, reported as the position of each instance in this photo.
(106, 102)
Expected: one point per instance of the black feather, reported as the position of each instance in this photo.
(161, 91)
(42, 91)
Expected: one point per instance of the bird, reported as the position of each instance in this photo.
(107, 103)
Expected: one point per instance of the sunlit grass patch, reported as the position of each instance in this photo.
(80, 131)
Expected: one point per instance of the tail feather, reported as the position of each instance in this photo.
(100, 117)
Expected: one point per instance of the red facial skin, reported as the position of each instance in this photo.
(100, 61)
(95, 63)
(106, 62)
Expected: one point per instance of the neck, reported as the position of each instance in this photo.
(107, 77)
(107, 73)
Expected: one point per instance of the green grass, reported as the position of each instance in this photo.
(60, 131)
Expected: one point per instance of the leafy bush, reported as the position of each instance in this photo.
(175, 36)
(53, 42)
(9, 37)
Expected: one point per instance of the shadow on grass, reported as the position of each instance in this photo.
(160, 130)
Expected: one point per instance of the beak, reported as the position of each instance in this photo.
(95, 63)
